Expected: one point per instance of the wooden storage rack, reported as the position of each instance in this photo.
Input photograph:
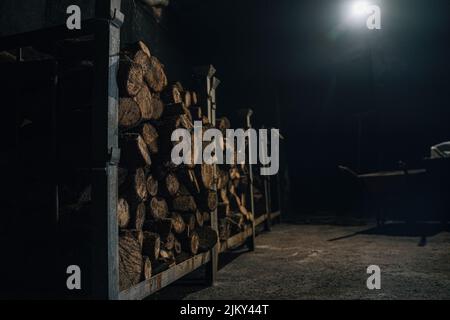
(106, 29)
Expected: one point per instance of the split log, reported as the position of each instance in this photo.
(172, 185)
(137, 216)
(146, 269)
(224, 196)
(168, 257)
(177, 248)
(152, 186)
(157, 107)
(151, 245)
(136, 234)
(155, 76)
(135, 188)
(150, 136)
(138, 52)
(169, 242)
(207, 238)
(123, 213)
(184, 204)
(189, 220)
(178, 224)
(234, 173)
(134, 153)
(130, 77)
(172, 95)
(207, 200)
(191, 243)
(205, 174)
(158, 208)
(199, 218)
(144, 101)
(130, 262)
(129, 113)
(223, 124)
(222, 179)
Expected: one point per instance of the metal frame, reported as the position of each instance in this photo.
(106, 155)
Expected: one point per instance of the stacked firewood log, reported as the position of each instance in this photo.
(234, 212)
(163, 209)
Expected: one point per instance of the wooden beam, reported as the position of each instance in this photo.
(156, 283)
(236, 240)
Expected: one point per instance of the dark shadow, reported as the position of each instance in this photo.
(422, 230)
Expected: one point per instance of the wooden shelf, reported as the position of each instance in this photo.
(260, 220)
(165, 278)
(236, 240)
(240, 238)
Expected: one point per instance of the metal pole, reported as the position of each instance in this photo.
(208, 84)
(251, 241)
(105, 153)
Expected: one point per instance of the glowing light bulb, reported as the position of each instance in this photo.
(360, 8)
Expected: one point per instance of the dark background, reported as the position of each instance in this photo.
(303, 71)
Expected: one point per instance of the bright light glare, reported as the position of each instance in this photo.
(360, 8)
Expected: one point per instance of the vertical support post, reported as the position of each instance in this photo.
(209, 83)
(105, 153)
(268, 218)
(268, 221)
(251, 240)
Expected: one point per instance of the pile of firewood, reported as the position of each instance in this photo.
(233, 193)
(163, 209)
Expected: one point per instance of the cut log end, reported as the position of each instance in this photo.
(146, 269)
(123, 213)
(152, 186)
(129, 113)
(130, 77)
(151, 245)
(144, 101)
(130, 262)
(172, 184)
(158, 208)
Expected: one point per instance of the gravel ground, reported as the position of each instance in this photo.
(330, 262)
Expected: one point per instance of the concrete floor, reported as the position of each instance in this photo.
(330, 262)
